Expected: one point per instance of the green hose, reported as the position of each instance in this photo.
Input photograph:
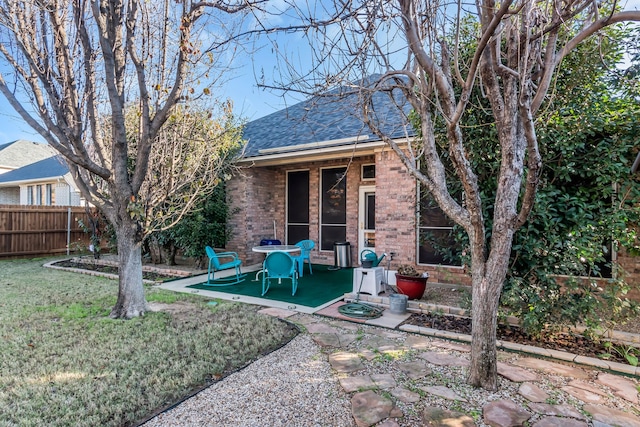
(360, 310)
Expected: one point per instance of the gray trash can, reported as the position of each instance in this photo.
(342, 254)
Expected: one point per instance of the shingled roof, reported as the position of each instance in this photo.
(334, 119)
(51, 168)
(20, 152)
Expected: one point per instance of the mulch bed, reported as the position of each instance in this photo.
(147, 275)
(562, 341)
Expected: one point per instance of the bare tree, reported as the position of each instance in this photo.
(413, 47)
(73, 70)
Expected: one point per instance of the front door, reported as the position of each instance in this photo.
(367, 219)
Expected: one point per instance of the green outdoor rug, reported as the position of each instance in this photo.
(314, 289)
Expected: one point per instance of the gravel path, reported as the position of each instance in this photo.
(337, 373)
(292, 386)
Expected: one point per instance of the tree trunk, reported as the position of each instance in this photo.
(483, 371)
(131, 301)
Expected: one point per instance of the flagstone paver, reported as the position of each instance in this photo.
(557, 410)
(353, 327)
(559, 422)
(326, 340)
(504, 413)
(448, 345)
(612, 416)
(417, 343)
(321, 328)
(440, 358)
(347, 339)
(386, 333)
(405, 395)
(585, 395)
(388, 423)
(414, 370)
(384, 381)
(587, 386)
(439, 417)
(369, 408)
(377, 342)
(552, 367)
(515, 373)
(444, 392)
(368, 354)
(622, 387)
(357, 383)
(532, 392)
(345, 362)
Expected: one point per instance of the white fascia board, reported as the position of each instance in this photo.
(46, 180)
(327, 153)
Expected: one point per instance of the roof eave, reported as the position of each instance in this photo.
(44, 180)
(325, 153)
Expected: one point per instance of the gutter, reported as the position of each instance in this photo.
(43, 180)
(318, 152)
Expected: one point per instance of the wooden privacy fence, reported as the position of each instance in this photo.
(40, 230)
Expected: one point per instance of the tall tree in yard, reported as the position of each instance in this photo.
(411, 47)
(78, 71)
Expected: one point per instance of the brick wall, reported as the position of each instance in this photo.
(396, 211)
(252, 198)
(259, 196)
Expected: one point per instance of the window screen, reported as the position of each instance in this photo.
(333, 227)
(297, 206)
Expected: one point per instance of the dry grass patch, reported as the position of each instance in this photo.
(64, 362)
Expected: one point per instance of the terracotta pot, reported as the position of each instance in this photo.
(412, 287)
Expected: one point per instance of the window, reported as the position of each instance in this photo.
(368, 172)
(297, 206)
(30, 194)
(38, 195)
(436, 244)
(333, 226)
(49, 195)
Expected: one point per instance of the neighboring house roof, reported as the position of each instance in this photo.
(323, 121)
(20, 153)
(47, 169)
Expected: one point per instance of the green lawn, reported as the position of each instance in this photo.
(64, 362)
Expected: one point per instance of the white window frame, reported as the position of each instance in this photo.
(362, 178)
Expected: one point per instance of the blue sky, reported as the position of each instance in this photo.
(250, 102)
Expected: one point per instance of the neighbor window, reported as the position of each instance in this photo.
(333, 226)
(297, 206)
(38, 195)
(30, 194)
(49, 197)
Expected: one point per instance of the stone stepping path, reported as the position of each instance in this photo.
(393, 378)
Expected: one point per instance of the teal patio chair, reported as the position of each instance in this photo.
(279, 265)
(216, 265)
(305, 250)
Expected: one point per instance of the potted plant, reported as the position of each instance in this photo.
(411, 282)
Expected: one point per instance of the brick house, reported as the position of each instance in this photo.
(314, 171)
